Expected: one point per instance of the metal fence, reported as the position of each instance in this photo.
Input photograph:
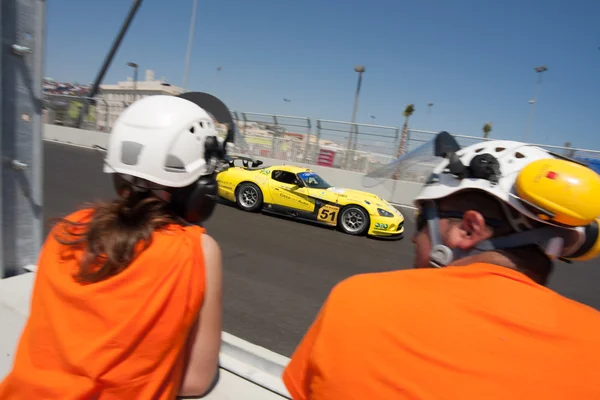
(64, 110)
(355, 147)
(418, 137)
(419, 172)
(359, 147)
(297, 139)
(281, 137)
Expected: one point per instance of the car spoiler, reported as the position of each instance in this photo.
(245, 161)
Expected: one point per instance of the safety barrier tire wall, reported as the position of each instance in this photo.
(397, 192)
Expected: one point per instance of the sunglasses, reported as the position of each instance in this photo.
(421, 220)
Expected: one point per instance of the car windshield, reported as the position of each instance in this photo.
(313, 181)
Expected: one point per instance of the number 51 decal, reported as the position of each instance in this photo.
(328, 214)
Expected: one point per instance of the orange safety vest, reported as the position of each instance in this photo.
(470, 332)
(121, 338)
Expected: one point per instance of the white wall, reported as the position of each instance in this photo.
(398, 192)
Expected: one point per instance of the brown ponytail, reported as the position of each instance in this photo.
(118, 231)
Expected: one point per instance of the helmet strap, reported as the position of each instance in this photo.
(440, 255)
(549, 239)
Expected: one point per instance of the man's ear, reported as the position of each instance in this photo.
(470, 231)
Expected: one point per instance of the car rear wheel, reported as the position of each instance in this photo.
(249, 197)
(354, 220)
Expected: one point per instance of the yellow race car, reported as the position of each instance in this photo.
(302, 194)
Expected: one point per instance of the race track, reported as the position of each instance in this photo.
(277, 272)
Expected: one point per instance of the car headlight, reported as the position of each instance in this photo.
(384, 213)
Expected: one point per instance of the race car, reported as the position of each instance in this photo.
(302, 194)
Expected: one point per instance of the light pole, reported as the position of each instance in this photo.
(135, 78)
(360, 69)
(189, 46)
(429, 105)
(539, 70)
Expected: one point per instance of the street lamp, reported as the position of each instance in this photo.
(135, 78)
(360, 69)
(188, 53)
(539, 70)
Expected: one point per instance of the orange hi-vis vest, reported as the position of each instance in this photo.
(122, 338)
(476, 332)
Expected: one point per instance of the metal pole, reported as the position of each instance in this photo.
(22, 26)
(135, 78)
(189, 46)
(107, 61)
(539, 70)
(360, 69)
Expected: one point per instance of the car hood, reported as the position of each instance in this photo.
(370, 200)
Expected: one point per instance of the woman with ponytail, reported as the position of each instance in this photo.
(127, 298)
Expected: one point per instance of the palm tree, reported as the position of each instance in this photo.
(487, 128)
(408, 111)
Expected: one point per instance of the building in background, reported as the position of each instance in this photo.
(113, 99)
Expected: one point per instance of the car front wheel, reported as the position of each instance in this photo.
(354, 220)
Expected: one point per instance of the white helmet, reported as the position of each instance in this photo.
(531, 184)
(512, 157)
(161, 139)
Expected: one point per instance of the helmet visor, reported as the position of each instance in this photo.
(416, 165)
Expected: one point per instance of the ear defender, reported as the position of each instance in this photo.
(196, 202)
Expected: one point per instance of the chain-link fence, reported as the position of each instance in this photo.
(65, 110)
(355, 147)
(281, 137)
(418, 137)
(419, 171)
(337, 144)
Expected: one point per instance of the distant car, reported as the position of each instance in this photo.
(302, 194)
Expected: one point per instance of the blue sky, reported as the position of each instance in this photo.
(473, 59)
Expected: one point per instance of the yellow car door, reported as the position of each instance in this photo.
(286, 192)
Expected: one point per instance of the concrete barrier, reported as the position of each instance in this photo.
(397, 192)
(74, 136)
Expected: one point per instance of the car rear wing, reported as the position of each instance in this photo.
(247, 162)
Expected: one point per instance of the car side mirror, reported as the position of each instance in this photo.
(298, 183)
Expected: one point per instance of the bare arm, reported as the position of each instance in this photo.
(205, 337)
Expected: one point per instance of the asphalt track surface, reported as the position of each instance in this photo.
(277, 272)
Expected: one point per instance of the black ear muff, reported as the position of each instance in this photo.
(195, 203)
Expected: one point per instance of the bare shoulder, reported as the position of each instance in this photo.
(213, 261)
(210, 246)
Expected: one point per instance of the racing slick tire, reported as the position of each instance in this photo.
(354, 220)
(249, 197)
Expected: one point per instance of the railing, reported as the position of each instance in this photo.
(64, 110)
(355, 147)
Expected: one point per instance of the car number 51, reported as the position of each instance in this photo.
(328, 214)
